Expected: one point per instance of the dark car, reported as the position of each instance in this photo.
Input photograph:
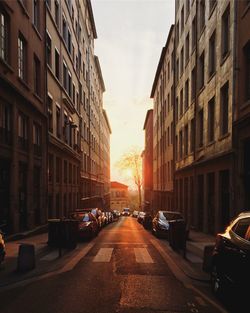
(126, 212)
(87, 226)
(140, 217)
(162, 220)
(230, 269)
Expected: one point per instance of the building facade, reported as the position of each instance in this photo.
(118, 196)
(241, 118)
(163, 127)
(75, 108)
(147, 160)
(23, 116)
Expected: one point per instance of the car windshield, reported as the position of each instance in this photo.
(84, 217)
(171, 216)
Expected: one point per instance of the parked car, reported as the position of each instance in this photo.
(230, 268)
(99, 216)
(140, 217)
(162, 220)
(147, 221)
(116, 214)
(126, 212)
(88, 225)
(2, 247)
(135, 214)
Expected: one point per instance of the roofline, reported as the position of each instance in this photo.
(91, 16)
(147, 116)
(114, 181)
(107, 120)
(99, 70)
(163, 52)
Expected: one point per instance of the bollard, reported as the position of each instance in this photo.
(26, 258)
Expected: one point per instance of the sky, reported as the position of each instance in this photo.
(131, 35)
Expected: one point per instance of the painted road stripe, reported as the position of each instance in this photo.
(50, 256)
(142, 256)
(103, 255)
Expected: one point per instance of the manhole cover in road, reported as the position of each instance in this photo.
(152, 292)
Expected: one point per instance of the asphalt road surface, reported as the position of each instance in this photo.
(124, 270)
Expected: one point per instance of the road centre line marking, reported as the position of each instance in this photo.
(103, 255)
(142, 255)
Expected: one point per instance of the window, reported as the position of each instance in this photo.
(37, 75)
(182, 19)
(225, 32)
(65, 74)
(4, 27)
(186, 140)
(194, 33)
(247, 71)
(51, 166)
(172, 133)
(186, 94)
(48, 2)
(177, 70)
(201, 71)
(187, 8)
(57, 17)
(180, 144)
(37, 139)
(64, 30)
(69, 41)
(70, 173)
(192, 135)
(5, 123)
(211, 105)
(212, 4)
(22, 55)
(193, 83)
(200, 129)
(36, 14)
(242, 228)
(58, 121)
(176, 109)
(202, 10)
(224, 109)
(48, 50)
(50, 113)
(177, 32)
(57, 64)
(23, 131)
(181, 102)
(187, 49)
(212, 57)
(69, 89)
(181, 61)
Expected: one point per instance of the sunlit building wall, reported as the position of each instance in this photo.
(163, 127)
(118, 196)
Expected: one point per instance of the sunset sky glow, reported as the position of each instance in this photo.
(131, 34)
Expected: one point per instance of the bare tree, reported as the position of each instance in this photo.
(132, 161)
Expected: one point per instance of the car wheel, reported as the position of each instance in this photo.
(216, 281)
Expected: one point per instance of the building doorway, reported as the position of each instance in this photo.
(224, 198)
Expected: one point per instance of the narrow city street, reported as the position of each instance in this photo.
(126, 269)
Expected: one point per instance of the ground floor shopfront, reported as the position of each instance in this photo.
(204, 193)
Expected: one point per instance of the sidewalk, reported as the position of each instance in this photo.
(47, 259)
(193, 262)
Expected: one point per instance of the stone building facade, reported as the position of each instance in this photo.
(163, 127)
(118, 196)
(23, 116)
(75, 107)
(241, 118)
